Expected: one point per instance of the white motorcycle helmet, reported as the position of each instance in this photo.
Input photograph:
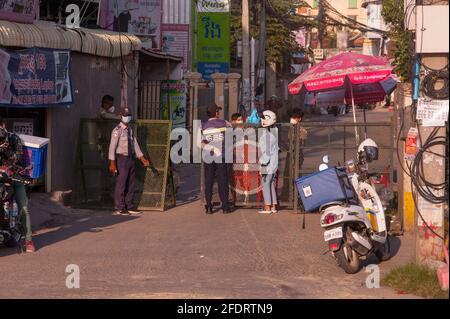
(370, 149)
(269, 118)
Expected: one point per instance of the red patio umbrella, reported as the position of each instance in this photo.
(364, 78)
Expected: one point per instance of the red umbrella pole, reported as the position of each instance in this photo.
(354, 116)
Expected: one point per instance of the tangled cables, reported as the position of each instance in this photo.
(431, 191)
(429, 84)
(435, 193)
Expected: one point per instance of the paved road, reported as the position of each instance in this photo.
(182, 253)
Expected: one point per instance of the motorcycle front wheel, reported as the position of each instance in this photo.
(347, 259)
(11, 243)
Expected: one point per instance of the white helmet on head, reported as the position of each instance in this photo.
(269, 118)
(370, 149)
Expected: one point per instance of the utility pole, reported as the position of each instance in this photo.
(246, 54)
(320, 19)
(261, 82)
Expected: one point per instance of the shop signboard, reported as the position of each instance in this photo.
(35, 78)
(213, 37)
(173, 93)
(139, 17)
(23, 11)
(175, 41)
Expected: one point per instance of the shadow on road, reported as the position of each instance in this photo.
(92, 224)
(395, 244)
(61, 229)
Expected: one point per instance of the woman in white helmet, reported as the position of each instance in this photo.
(268, 160)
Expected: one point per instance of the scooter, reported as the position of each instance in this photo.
(356, 227)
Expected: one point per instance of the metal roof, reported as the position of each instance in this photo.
(160, 55)
(50, 35)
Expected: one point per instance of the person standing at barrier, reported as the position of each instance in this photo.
(296, 119)
(213, 143)
(237, 118)
(268, 160)
(123, 151)
(107, 109)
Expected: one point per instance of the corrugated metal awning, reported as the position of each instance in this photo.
(160, 55)
(49, 35)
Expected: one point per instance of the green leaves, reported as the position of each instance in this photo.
(394, 15)
(280, 25)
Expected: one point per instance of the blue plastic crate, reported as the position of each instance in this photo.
(323, 187)
(37, 158)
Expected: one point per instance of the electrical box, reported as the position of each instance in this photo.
(431, 26)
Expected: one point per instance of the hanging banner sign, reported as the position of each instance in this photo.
(175, 41)
(213, 6)
(138, 17)
(173, 93)
(213, 43)
(35, 78)
(18, 10)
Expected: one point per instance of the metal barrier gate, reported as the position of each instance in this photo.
(337, 140)
(94, 186)
(245, 180)
(297, 158)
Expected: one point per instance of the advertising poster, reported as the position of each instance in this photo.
(23, 11)
(213, 37)
(138, 17)
(174, 92)
(175, 41)
(35, 78)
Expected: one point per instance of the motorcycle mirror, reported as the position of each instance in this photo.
(323, 167)
(325, 159)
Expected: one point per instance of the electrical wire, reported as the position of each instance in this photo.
(420, 186)
(429, 85)
(328, 6)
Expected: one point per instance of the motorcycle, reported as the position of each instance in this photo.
(11, 229)
(356, 227)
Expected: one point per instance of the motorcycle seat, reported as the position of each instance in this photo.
(336, 203)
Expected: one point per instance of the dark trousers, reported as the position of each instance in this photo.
(219, 170)
(125, 183)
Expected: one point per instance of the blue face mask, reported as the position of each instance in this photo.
(126, 119)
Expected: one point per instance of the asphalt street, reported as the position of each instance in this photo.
(184, 253)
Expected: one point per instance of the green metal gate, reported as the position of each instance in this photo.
(94, 185)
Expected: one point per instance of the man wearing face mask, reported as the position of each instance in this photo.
(123, 150)
(107, 110)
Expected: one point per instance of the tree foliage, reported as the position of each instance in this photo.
(279, 37)
(394, 15)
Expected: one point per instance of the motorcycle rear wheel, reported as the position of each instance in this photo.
(384, 253)
(347, 259)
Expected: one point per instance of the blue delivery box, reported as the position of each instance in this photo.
(35, 154)
(323, 187)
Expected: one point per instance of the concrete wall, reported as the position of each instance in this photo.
(92, 77)
(342, 7)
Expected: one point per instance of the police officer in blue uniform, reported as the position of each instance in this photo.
(213, 141)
